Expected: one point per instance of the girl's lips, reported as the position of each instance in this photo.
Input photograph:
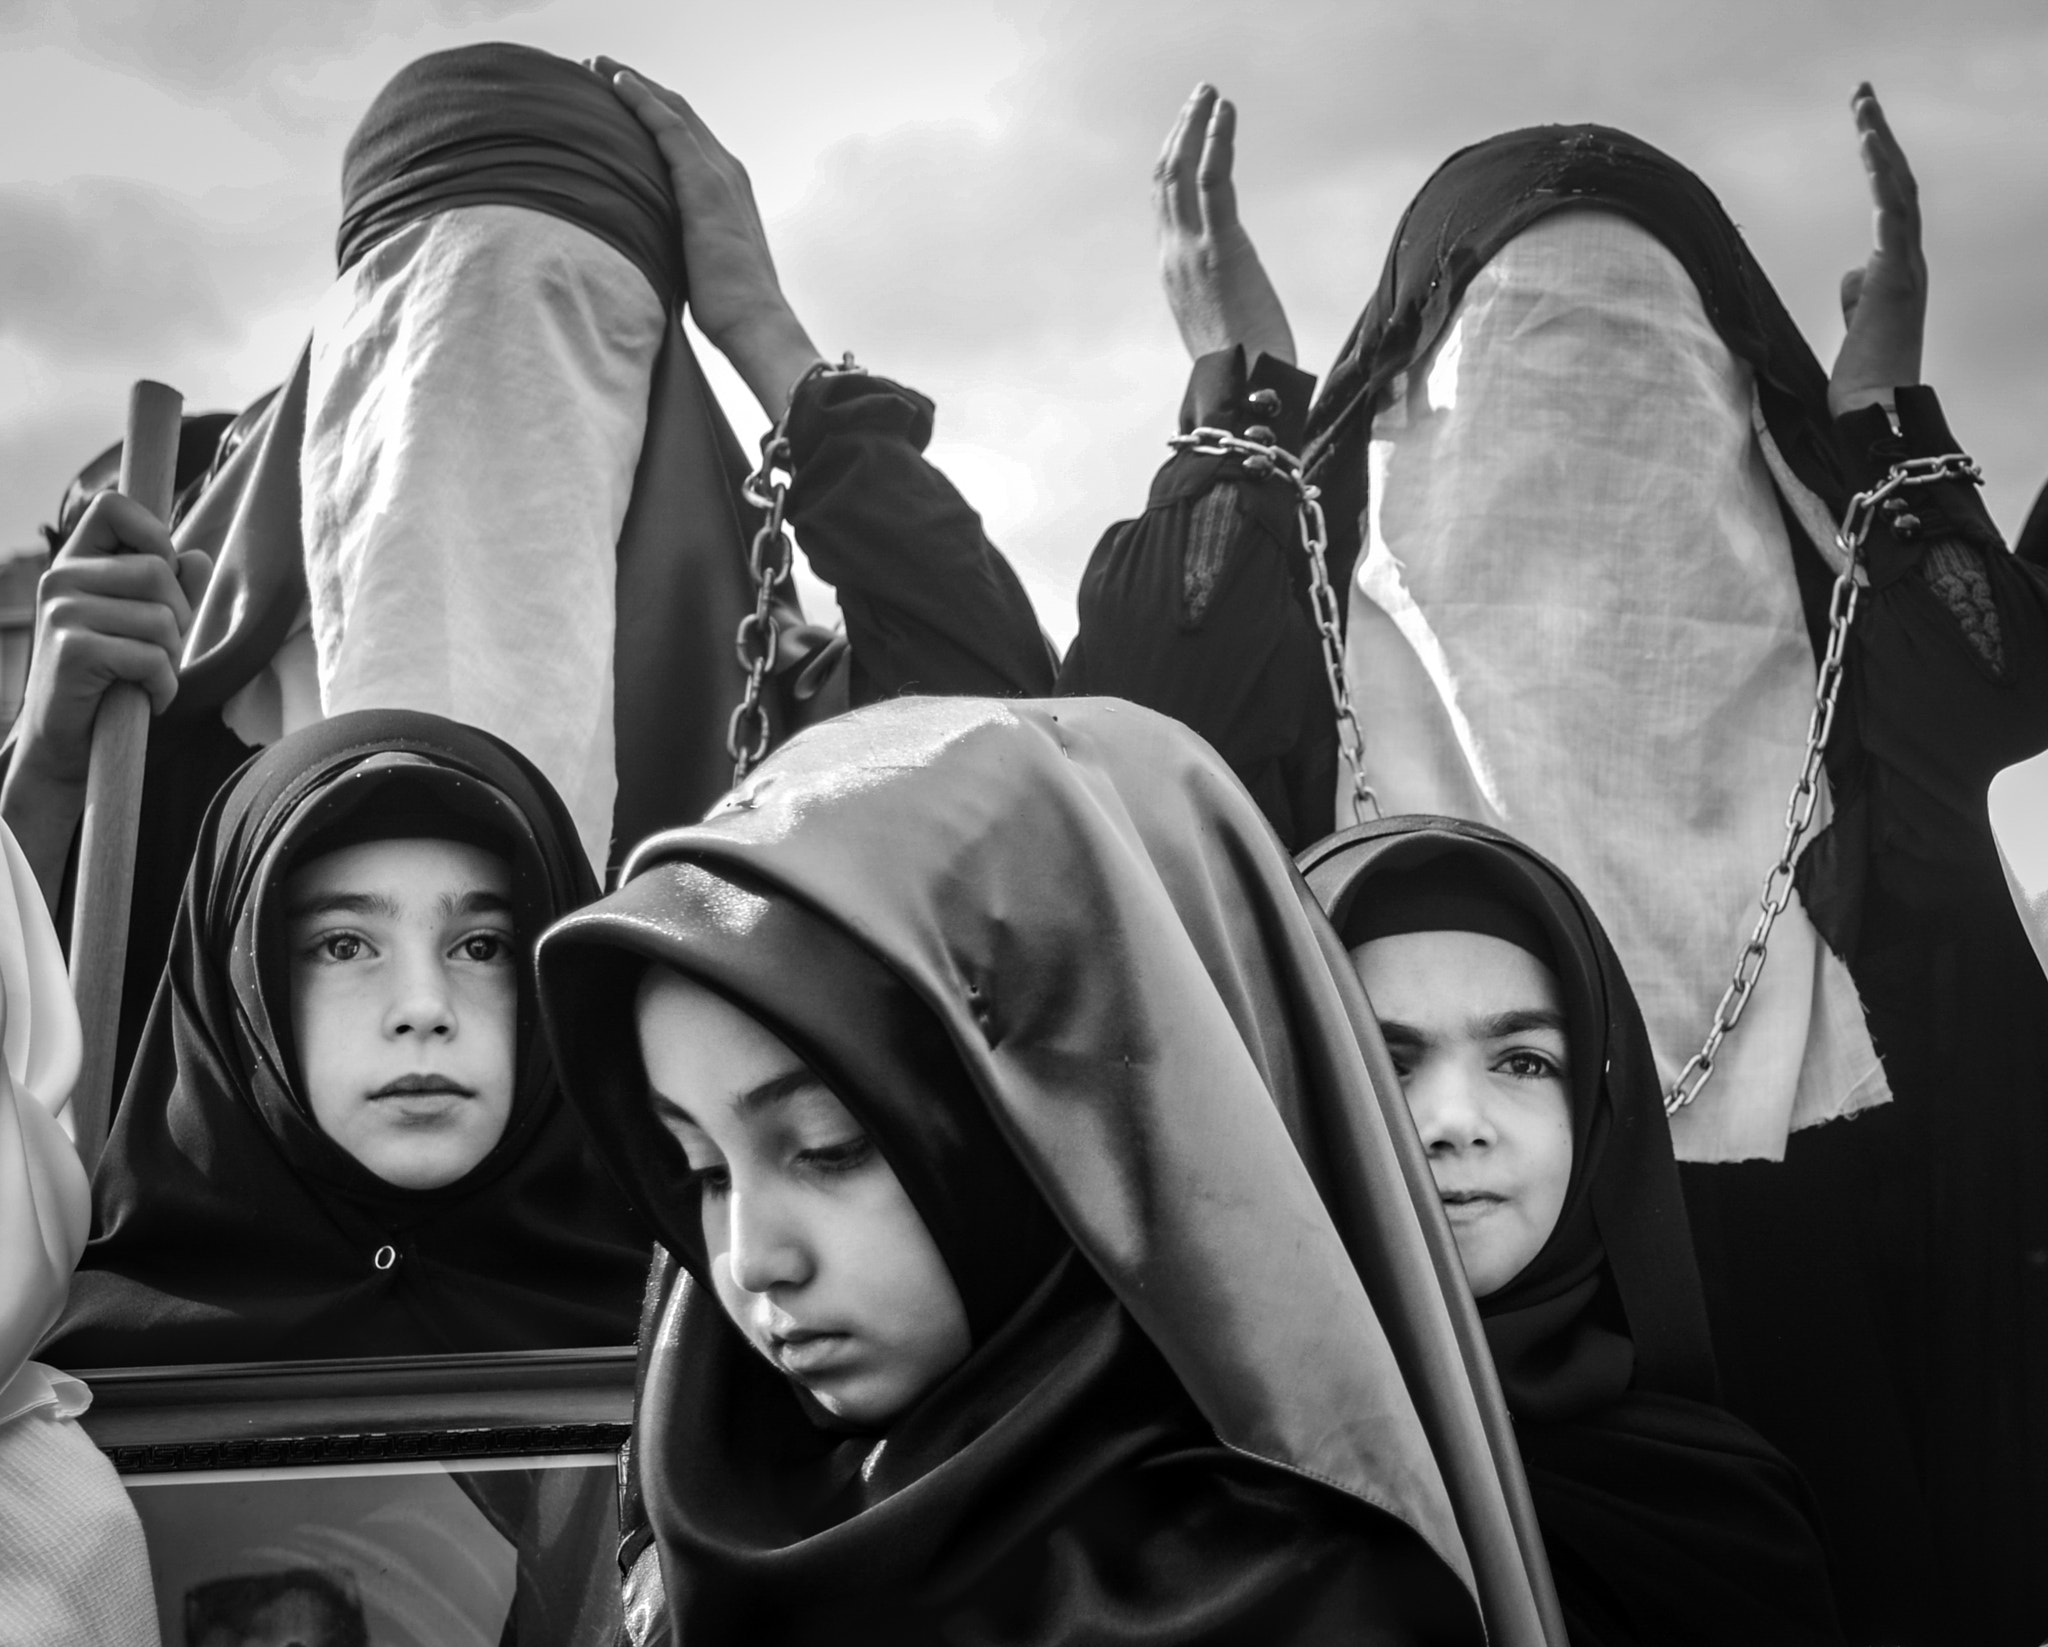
(1470, 1203)
(808, 1353)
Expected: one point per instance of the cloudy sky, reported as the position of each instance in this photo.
(958, 190)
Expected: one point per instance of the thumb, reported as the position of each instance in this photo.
(195, 572)
(1852, 294)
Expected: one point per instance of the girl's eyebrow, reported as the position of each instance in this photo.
(774, 1090)
(1518, 1022)
(345, 903)
(478, 901)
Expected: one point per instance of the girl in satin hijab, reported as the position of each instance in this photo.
(1515, 1034)
(76, 1573)
(964, 1060)
(311, 1161)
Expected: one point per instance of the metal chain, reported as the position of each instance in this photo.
(770, 558)
(1262, 457)
(1827, 689)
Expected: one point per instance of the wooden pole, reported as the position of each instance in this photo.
(113, 799)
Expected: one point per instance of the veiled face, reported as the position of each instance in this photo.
(816, 1252)
(405, 1003)
(1477, 1031)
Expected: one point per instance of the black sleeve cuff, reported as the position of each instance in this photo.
(1270, 395)
(1917, 515)
(841, 403)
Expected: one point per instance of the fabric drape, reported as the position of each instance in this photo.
(227, 1226)
(76, 1572)
(1666, 1519)
(1576, 615)
(505, 126)
(1194, 1426)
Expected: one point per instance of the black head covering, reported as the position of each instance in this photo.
(510, 125)
(507, 125)
(199, 437)
(227, 1226)
(1482, 198)
(1050, 955)
(1666, 1519)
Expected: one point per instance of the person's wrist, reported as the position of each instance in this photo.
(771, 351)
(36, 765)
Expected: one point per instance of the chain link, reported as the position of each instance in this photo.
(770, 558)
(1263, 458)
(1827, 690)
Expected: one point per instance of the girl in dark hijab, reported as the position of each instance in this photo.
(1525, 1060)
(965, 1060)
(309, 1165)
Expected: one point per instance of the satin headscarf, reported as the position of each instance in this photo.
(1665, 1518)
(1141, 1011)
(228, 1226)
(1577, 610)
(483, 128)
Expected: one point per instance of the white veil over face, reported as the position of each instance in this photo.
(475, 408)
(1575, 618)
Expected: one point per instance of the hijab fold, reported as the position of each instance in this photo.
(228, 1226)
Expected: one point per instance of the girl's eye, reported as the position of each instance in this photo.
(485, 947)
(712, 1181)
(854, 1153)
(1529, 1066)
(339, 946)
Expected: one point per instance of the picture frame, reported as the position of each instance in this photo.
(421, 1501)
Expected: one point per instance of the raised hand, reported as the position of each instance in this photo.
(735, 294)
(1885, 301)
(1215, 283)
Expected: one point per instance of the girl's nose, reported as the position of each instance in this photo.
(1448, 1102)
(422, 1003)
(767, 1250)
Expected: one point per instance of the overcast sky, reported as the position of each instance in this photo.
(957, 190)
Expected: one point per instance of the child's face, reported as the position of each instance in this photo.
(816, 1252)
(1477, 1031)
(405, 1003)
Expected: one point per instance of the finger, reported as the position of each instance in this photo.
(1162, 168)
(77, 618)
(112, 658)
(195, 572)
(1219, 153)
(114, 525)
(141, 581)
(1852, 294)
(659, 102)
(1185, 201)
(1884, 157)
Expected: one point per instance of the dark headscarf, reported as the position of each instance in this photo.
(1050, 955)
(1482, 198)
(1666, 1519)
(227, 1226)
(509, 125)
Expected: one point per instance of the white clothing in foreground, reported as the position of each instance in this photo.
(475, 412)
(1575, 618)
(73, 1569)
